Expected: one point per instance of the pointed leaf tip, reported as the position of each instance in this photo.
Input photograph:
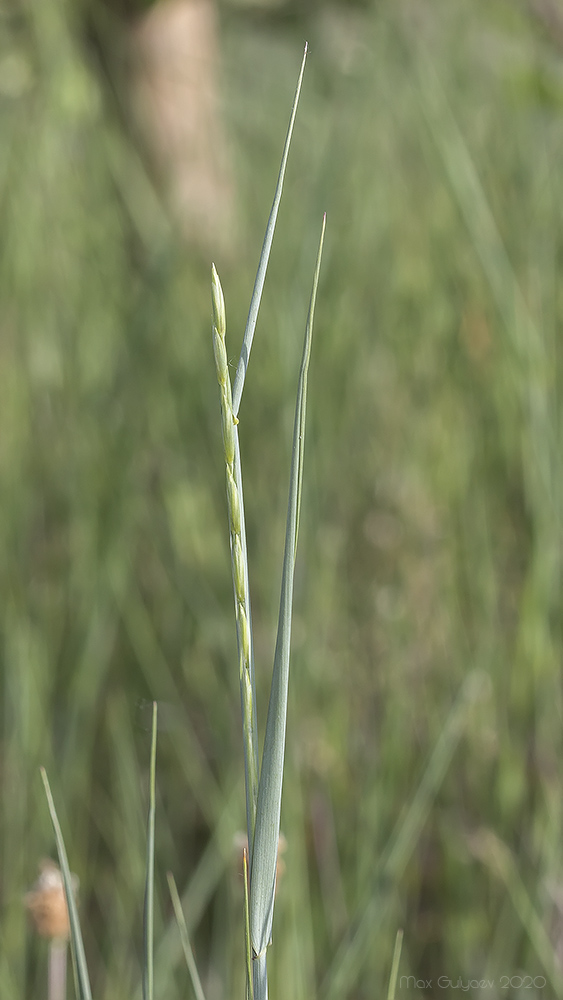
(265, 254)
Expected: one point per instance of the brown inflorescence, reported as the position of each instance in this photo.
(46, 903)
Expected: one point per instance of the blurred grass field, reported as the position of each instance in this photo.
(423, 783)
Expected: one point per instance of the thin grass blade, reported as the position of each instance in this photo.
(81, 978)
(185, 938)
(395, 965)
(148, 929)
(248, 945)
(265, 255)
(265, 853)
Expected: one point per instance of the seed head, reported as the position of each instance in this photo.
(233, 503)
(46, 902)
(219, 316)
(238, 566)
(244, 635)
(220, 352)
(228, 427)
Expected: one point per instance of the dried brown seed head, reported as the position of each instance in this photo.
(46, 902)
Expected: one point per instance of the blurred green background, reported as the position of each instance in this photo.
(423, 783)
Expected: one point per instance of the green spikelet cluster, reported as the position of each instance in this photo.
(229, 422)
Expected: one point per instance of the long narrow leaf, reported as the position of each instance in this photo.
(185, 938)
(395, 965)
(248, 946)
(264, 858)
(265, 255)
(81, 978)
(148, 930)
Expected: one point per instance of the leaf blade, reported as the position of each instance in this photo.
(265, 848)
(247, 942)
(148, 926)
(395, 965)
(82, 980)
(254, 307)
(185, 938)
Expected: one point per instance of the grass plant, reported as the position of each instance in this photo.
(264, 785)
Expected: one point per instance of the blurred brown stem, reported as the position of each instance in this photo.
(550, 13)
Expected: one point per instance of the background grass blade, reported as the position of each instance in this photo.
(264, 860)
(82, 981)
(498, 857)
(185, 938)
(148, 929)
(265, 255)
(395, 965)
(348, 961)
